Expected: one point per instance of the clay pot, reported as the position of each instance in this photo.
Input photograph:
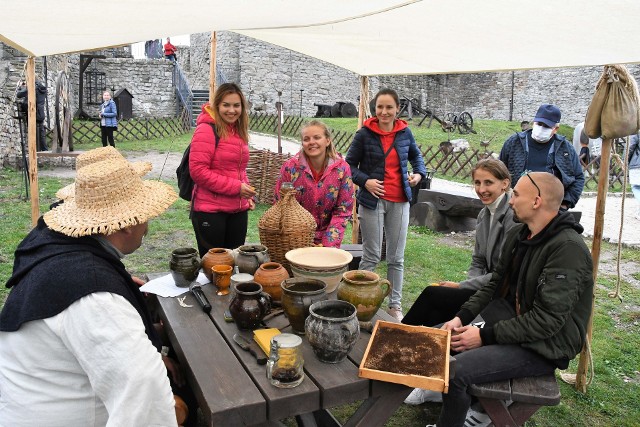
(332, 329)
(365, 290)
(184, 266)
(249, 257)
(270, 275)
(182, 410)
(249, 305)
(297, 296)
(216, 256)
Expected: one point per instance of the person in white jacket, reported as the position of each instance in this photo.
(77, 343)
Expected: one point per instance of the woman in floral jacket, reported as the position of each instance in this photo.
(323, 182)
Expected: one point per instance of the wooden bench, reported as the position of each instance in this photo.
(528, 395)
(446, 211)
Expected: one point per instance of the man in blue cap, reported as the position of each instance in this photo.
(541, 149)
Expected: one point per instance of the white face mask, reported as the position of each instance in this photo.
(541, 133)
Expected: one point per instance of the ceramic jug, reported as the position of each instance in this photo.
(249, 257)
(365, 290)
(297, 296)
(249, 305)
(270, 275)
(184, 266)
(216, 256)
(332, 329)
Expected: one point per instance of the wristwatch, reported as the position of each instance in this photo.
(164, 350)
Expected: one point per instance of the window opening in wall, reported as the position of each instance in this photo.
(94, 84)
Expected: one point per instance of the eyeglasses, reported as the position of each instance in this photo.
(527, 172)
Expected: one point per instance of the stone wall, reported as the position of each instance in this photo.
(262, 69)
(149, 81)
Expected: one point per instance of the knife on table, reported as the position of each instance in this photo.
(246, 345)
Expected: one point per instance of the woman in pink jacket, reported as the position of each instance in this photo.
(323, 183)
(217, 162)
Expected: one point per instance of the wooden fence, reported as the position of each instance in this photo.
(85, 131)
(445, 162)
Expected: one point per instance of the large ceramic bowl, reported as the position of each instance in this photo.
(326, 264)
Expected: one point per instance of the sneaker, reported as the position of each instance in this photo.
(418, 396)
(476, 419)
(396, 313)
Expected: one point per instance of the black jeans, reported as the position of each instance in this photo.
(436, 305)
(219, 230)
(486, 364)
(107, 135)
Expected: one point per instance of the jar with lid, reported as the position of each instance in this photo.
(285, 364)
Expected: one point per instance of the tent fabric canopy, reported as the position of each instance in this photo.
(368, 37)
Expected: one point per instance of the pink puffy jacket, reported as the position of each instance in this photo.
(217, 171)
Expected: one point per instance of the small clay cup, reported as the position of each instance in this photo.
(221, 277)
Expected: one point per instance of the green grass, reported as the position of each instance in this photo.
(611, 399)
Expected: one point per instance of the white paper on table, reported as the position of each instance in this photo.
(165, 286)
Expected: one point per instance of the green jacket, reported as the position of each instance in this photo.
(555, 288)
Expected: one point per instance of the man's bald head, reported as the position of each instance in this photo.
(551, 189)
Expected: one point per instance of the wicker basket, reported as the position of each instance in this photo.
(285, 226)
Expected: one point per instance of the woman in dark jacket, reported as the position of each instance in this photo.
(379, 156)
(108, 120)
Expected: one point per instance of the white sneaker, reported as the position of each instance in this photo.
(418, 396)
(396, 313)
(476, 419)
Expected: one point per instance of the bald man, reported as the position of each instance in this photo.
(536, 306)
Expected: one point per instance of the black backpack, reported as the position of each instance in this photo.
(185, 182)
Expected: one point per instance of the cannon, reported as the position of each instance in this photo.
(339, 109)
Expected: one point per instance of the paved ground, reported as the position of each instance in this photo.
(165, 165)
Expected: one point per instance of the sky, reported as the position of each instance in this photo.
(137, 49)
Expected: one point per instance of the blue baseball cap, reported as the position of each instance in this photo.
(548, 114)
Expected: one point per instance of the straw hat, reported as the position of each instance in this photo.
(97, 155)
(109, 196)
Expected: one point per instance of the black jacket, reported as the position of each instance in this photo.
(41, 97)
(555, 287)
(51, 271)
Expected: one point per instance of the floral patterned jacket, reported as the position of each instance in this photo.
(330, 199)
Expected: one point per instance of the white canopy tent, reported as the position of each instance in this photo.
(416, 37)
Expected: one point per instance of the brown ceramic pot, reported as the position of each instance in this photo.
(249, 305)
(297, 296)
(216, 256)
(270, 275)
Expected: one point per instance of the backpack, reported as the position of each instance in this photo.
(185, 182)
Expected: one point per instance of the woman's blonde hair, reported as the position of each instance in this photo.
(242, 125)
(331, 149)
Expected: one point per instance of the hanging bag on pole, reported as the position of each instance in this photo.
(614, 111)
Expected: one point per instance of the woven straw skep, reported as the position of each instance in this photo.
(98, 155)
(109, 196)
(286, 226)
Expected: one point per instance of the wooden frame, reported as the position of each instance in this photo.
(416, 381)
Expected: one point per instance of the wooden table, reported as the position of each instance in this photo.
(233, 390)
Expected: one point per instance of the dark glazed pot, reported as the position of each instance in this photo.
(249, 305)
(184, 266)
(332, 329)
(297, 296)
(249, 257)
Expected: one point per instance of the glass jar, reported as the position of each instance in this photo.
(285, 364)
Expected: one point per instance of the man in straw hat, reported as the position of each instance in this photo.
(535, 308)
(77, 344)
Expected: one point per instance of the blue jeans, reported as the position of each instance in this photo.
(634, 180)
(393, 218)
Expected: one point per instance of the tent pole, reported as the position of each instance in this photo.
(33, 161)
(364, 100)
(603, 186)
(212, 67)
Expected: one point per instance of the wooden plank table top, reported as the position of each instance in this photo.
(233, 390)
